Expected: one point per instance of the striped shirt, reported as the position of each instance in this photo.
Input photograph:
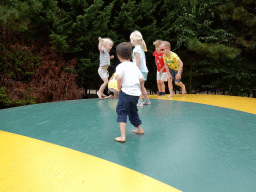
(104, 58)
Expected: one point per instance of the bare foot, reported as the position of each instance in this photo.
(120, 139)
(99, 95)
(171, 95)
(183, 90)
(109, 97)
(141, 132)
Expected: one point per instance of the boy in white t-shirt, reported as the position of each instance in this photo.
(129, 81)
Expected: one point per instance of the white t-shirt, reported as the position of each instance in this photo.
(131, 78)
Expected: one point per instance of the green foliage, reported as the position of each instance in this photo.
(16, 15)
(5, 101)
(233, 75)
(213, 50)
(59, 42)
(194, 21)
(70, 70)
(28, 99)
(242, 20)
(18, 61)
(73, 28)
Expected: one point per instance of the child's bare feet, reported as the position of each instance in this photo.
(99, 95)
(120, 139)
(183, 90)
(109, 97)
(141, 132)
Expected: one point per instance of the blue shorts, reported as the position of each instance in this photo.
(174, 73)
(127, 105)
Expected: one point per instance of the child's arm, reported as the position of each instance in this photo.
(119, 79)
(178, 76)
(161, 70)
(110, 78)
(137, 56)
(100, 45)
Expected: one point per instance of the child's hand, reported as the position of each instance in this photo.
(99, 38)
(178, 76)
(112, 57)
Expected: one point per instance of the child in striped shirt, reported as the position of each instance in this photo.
(105, 45)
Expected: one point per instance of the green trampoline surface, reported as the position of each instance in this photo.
(192, 147)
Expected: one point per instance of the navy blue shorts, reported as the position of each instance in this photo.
(127, 105)
(174, 73)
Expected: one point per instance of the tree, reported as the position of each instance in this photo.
(195, 27)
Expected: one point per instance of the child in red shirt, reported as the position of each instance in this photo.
(161, 75)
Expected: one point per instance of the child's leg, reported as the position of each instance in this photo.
(109, 97)
(122, 111)
(123, 131)
(115, 96)
(183, 88)
(134, 116)
(139, 130)
(159, 86)
(158, 82)
(162, 86)
(144, 91)
(102, 87)
(179, 83)
(170, 87)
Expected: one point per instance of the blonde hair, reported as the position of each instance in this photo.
(138, 39)
(166, 44)
(157, 42)
(107, 41)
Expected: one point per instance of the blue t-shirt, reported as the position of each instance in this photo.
(143, 66)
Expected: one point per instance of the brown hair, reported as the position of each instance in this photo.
(124, 50)
(157, 42)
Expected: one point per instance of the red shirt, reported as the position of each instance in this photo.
(159, 61)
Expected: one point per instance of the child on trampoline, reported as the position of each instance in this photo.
(161, 74)
(138, 57)
(129, 82)
(112, 88)
(173, 65)
(105, 45)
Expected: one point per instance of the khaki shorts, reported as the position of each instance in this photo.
(161, 77)
(103, 73)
